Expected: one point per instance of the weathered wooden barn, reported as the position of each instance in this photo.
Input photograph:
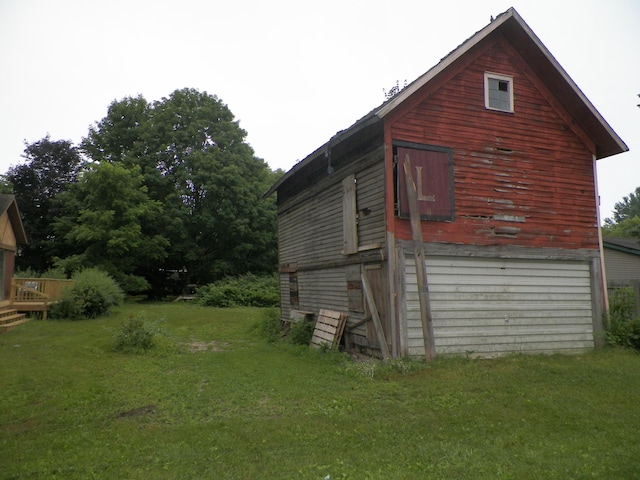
(502, 147)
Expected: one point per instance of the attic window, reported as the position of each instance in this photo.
(498, 92)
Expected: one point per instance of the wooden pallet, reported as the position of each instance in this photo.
(10, 318)
(328, 330)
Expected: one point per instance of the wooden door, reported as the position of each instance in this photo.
(377, 276)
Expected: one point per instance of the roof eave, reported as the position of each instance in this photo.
(342, 135)
(607, 141)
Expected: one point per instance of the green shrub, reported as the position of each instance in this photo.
(134, 337)
(622, 328)
(56, 273)
(244, 291)
(301, 332)
(93, 293)
(27, 273)
(269, 325)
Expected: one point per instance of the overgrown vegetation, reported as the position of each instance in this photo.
(296, 333)
(56, 273)
(623, 321)
(135, 336)
(156, 189)
(269, 324)
(93, 293)
(301, 332)
(242, 291)
(230, 405)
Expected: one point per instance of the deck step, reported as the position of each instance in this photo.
(11, 318)
(7, 312)
(5, 327)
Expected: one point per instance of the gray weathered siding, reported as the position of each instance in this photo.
(310, 231)
(493, 306)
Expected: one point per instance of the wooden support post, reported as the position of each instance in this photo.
(419, 255)
(368, 295)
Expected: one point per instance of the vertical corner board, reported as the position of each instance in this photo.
(329, 328)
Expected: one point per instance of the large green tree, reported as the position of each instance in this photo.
(50, 167)
(626, 217)
(195, 161)
(111, 223)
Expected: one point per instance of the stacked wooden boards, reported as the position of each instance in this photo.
(329, 328)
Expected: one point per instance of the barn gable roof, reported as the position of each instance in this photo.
(8, 205)
(513, 27)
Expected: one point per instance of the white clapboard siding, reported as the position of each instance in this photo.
(487, 306)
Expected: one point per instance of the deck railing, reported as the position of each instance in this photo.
(37, 290)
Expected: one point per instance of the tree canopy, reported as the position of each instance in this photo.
(155, 188)
(195, 162)
(50, 168)
(110, 221)
(626, 217)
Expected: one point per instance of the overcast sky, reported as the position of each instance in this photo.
(293, 73)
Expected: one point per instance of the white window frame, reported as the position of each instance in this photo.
(500, 78)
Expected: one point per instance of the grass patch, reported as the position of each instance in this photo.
(228, 404)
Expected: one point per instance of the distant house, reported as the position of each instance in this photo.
(622, 263)
(11, 236)
(502, 147)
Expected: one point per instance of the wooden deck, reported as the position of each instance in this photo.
(30, 295)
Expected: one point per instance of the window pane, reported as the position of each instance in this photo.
(499, 97)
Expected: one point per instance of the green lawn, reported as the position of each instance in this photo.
(228, 405)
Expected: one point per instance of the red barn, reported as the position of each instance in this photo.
(501, 147)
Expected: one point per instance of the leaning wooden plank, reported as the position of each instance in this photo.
(340, 330)
(419, 254)
(329, 328)
(325, 334)
(330, 314)
(368, 295)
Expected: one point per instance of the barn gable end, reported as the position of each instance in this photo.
(502, 147)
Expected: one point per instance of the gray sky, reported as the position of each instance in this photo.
(293, 73)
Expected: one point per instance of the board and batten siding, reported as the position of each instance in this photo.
(7, 235)
(492, 306)
(310, 235)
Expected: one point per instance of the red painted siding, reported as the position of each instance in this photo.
(432, 174)
(519, 179)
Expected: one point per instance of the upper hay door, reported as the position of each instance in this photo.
(433, 174)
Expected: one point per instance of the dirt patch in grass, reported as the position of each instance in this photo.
(138, 412)
(212, 346)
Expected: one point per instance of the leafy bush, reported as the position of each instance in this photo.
(56, 273)
(27, 273)
(244, 291)
(93, 293)
(301, 332)
(622, 328)
(269, 326)
(135, 336)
